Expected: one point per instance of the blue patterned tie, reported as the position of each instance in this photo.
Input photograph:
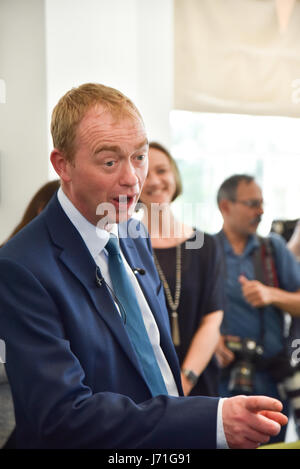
(134, 323)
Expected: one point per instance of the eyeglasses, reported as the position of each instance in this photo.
(251, 203)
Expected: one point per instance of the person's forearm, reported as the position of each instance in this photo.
(294, 248)
(287, 301)
(203, 343)
(201, 349)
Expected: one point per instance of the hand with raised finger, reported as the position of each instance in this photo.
(251, 420)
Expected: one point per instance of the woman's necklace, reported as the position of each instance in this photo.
(172, 304)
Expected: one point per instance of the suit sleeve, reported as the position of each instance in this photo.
(59, 409)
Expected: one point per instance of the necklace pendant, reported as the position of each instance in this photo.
(175, 328)
(172, 304)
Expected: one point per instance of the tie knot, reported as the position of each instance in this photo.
(112, 246)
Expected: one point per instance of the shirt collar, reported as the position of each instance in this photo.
(94, 237)
(252, 244)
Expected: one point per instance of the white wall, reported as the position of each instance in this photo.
(48, 46)
(23, 134)
(155, 66)
(126, 44)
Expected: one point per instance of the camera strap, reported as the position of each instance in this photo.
(264, 263)
(266, 273)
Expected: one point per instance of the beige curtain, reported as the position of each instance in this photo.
(231, 56)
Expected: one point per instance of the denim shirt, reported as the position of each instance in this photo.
(244, 320)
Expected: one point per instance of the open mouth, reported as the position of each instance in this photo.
(123, 201)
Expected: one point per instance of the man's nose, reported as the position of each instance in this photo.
(129, 176)
(261, 209)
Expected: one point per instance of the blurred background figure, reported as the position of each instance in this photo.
(37, 204)
(294, 242)
(191, 277)
(262, 284)
(290, 231)
(7, 418)
(285, 228)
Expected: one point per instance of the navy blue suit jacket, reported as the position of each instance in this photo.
(75, 379)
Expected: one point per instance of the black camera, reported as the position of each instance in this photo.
(284, 228)
(247, 354)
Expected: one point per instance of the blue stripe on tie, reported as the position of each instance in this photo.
(134, 325)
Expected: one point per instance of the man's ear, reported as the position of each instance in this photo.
(224, 206)
(61, 165)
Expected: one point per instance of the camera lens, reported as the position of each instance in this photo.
(241, 378)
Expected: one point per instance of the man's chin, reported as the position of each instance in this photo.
(111, 213)
(252, 230)
(119, 217)
(123, 216)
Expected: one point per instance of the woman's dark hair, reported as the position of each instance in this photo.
(37, 204)
(160, 147)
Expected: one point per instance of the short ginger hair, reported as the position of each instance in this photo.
(72, 107)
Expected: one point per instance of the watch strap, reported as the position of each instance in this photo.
(190, 375)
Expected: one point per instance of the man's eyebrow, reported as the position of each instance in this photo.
(118, 149)
(114, 148)
(143, 144)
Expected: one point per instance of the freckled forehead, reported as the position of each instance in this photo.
(99, 124)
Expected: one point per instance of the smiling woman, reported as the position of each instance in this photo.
(191, 277)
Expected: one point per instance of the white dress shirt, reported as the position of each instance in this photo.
(96, 240)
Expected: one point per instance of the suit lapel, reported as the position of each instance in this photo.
(78, 260)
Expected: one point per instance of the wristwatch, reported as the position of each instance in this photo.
(190, 376)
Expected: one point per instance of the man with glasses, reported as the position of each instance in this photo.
(262, 282)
